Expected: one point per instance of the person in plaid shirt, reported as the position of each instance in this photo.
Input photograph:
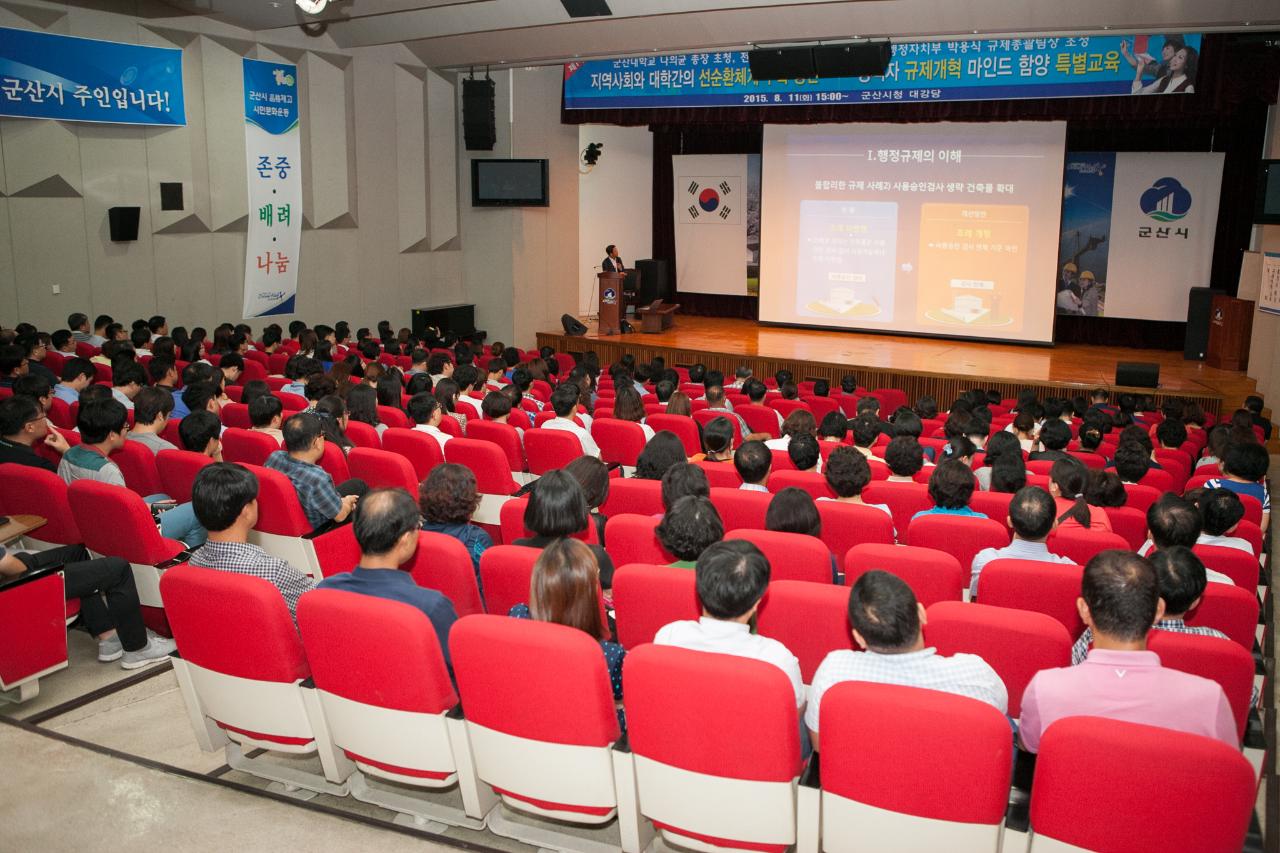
(225, 498)
(1182, 580)
(322, 502)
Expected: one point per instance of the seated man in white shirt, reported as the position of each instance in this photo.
(1032, 515)
(564, 402)
(425, 411)
(466, 376)
(1222, 512)
(1171, 521)
(266, 415)
(887, 621)
(732, 577)
(754, 462)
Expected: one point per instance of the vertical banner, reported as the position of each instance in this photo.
(711, 223)
(272, 153)
(1138, 232)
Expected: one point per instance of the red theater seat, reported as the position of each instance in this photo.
(1231, 609)
(548, 449)
(138, 465)
(1213, 658)
(247, 447)
(382, 469)
(620, 442)
(932, 575)
(740, 508)
(631, 495)
(810, 619)
(178, 470)
(960, 537)
(1081, 546)
(1049, 588)
(25, 489)
(646, 597)
(422, 450)
(632, 538)
(791, 556)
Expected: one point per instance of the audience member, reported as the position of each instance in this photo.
(1245, 468)
(792, 510)
(225, 498)
(1221, 511)
(1032, 518)
(22, 427)
(323, 503)
(1253, 404)
(804, 453)
(690, 525)
(659, 455)
(127, 379)
(266, 414)
(951, 486)
(753, 462)
(905, 459)
(151, 409)
(593, 476)
(1054, 438)
(564, 402)
(386, 529)
(199, 433)
(887, 622)
(557, 509)
(1120, 679)
(565, 589)
(732, 577)
(426, 413)
(448, 498)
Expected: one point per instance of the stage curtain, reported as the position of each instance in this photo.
(1237, 79)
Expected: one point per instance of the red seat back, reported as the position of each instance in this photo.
(846, 525)
(1117, 811)
(759, 418)
(505, 573)
(422, 450)
(363, 435)
(504, 436)
(633, 539)
(564, 697)
(442, 563)
(487, 461)
(620, 442)
(684, 427)
(548, 449)
(334, 462)
(1212, 658)
(1141, 497)
(663, 684)
(279, 510)
(1238, 565)
(810, 619)
(1081, 545)
(28, 490)
(138, 464)
(632, 495)
(235, 415)
(1128, 523)
(1049, 588)
(903, 499)
(880, 747)
(740, 508)
(705, 416)
(1160, 480)
(721, 474)
(382, 469)
(932, 575)
(375, 652)
(178, 470)
(958, 536)
(791, 556)
(394, 417)
(121, 524)
(1231, 609)
(246, 446)
(1015, 643)
(646, 597)
(233, 624)
(811, 481)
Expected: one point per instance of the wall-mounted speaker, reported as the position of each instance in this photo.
(479, 132)
(865, 59)
(1199, 304)
(123, 223)
(1138, 374)
(170, 195)
(781, 63)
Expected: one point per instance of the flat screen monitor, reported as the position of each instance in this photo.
(1268, 208)
(508, 183)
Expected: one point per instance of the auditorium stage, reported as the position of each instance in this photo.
(934, 366)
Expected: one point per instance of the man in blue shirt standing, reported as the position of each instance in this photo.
(386, 529)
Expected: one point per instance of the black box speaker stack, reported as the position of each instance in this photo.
(123, 223)
(858, 59)
(479, 132)
(1138, 374)
(1199, 305)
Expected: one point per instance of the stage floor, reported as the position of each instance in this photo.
(918, 363)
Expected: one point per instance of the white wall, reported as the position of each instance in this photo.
(615, 203)
(1264, 351)
(388, 222)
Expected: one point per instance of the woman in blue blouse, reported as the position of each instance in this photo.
(566, 590)
(447, 499)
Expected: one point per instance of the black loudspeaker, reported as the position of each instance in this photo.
(478, 129)
(586, 8)
(571, 325)
(781, 63)
(1199, 304)
(655, 280)
(170, 196)
(867, 59)
(1138, 374)
(123, 223)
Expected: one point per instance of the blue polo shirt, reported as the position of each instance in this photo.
(396, 585)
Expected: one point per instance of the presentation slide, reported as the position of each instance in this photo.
(934, 228)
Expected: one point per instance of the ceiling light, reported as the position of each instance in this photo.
(312, 7)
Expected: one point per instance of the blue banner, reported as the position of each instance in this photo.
(74, 79)
(971, 70)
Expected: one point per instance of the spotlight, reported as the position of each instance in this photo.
(592, 152)
(312, 7)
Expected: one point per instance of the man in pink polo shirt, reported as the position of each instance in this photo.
(1120, 679)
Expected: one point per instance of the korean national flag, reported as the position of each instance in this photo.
(711, 200)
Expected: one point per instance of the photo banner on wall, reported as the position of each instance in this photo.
(713, 206)
(43, 75)
(1137, 232)
(979, 69)
(272, 156)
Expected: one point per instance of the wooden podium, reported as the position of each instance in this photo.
(612, 302)
(1230, 328)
